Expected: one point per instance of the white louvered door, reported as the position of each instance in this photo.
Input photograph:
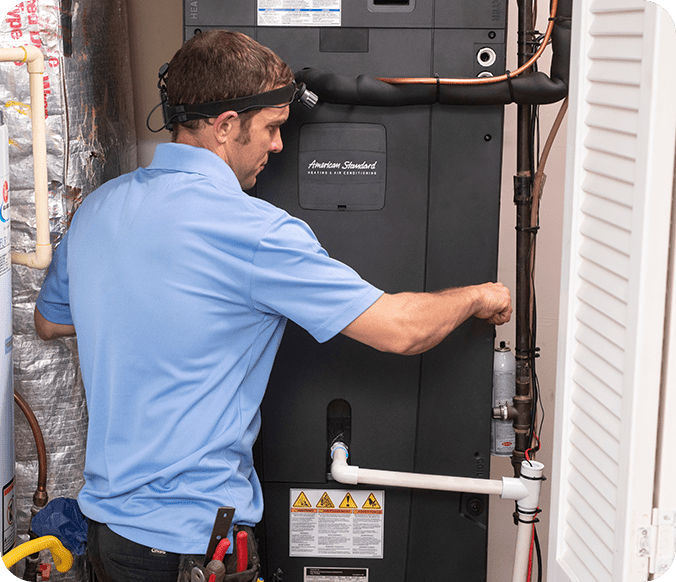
(620, 168)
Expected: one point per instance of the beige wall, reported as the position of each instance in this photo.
(156, 33)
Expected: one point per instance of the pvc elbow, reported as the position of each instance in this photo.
(39, 259)
(31, 55)
(340, 470)
(43, 255)
(35, 60)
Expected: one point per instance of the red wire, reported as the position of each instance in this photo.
(530, 556)
(534, 449)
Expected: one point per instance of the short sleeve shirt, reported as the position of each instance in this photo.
(179, 286)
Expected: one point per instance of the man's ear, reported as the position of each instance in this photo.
(225, 125)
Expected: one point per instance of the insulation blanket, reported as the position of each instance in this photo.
(90, 139)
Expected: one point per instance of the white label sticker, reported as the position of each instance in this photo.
(336, 523)
(299, 12)
(336, 575)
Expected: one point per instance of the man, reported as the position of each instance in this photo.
(179, 285)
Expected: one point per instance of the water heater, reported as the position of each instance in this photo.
(409, 197)
(7, 402)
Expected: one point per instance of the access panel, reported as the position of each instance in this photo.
(409, 197)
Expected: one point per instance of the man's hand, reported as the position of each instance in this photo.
(495, 305)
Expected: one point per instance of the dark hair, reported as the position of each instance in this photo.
(222, 64)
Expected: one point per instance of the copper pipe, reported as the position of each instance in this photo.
(40, 496)
(481, 80)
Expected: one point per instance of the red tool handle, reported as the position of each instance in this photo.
(221, 549)
(219, 556)
(242, 551)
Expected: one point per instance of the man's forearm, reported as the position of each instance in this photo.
(412, 323)
(427, 318)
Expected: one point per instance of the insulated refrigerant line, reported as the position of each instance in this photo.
(524, 64)
(521, 86)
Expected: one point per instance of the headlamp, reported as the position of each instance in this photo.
(276, 98)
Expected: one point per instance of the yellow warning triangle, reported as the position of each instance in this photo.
(302, 501)
(371, 503)
(325, 502)
(348, 502)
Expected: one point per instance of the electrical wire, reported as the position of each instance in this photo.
(530, 556)
(538, 187)
(538, 552)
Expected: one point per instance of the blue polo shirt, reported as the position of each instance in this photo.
(179, 286)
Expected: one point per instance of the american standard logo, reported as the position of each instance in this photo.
(348, 167)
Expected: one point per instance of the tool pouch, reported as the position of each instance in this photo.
(251, 574)
(253, 570)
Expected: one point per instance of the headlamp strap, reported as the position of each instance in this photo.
(181, 113)
(275, 98)
(268, 99)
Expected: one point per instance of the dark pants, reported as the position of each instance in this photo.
(117, 559)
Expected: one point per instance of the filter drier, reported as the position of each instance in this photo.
(504, 390)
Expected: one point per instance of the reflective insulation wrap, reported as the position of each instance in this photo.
(90, 139)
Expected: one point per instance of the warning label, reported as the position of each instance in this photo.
(9, 524)
(336, 523)
(348, 502)
(371, 503)
(325, 502)
(299, 12)
(302, 501)
(336, 575)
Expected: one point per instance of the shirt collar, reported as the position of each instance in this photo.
(180, 157)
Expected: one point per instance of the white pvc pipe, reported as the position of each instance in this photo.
(344, 473)
(525, 490)
(507, 488)
(527, 511)
(524, 537)
(33, 57)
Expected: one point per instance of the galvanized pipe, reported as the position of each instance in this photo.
(523, 199)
